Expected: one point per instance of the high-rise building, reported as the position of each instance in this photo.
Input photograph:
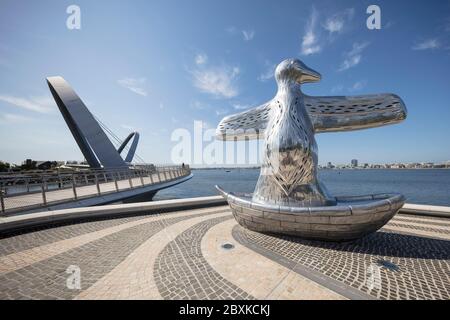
(354, 163)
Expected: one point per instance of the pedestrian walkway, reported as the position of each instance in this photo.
(204, 254)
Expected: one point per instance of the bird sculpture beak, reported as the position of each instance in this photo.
(310, 75)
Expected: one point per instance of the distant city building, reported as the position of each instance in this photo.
(426, 165)
(411, 165)
(398, 166)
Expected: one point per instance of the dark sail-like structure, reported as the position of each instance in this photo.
(92, 140)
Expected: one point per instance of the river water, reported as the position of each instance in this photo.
(419, 186)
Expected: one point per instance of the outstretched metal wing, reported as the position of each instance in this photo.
(249, 124)
(344, 113)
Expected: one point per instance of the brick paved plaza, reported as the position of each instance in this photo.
(205, 254)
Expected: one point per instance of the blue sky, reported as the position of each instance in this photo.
(154, 66)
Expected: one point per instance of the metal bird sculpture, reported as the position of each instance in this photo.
(288, 123)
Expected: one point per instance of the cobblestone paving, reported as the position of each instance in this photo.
(40, 236)
(420, 270)
(181, 271)
(47, 279)
(410, 254)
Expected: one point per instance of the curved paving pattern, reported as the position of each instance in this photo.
(261, 277)
(133, 278)
(48, 277)
(179, 256)
(181, 271)
(39, 236)
(423, 264)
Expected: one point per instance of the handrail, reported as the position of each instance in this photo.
(78, 169)
(20, 191)
(12, 176)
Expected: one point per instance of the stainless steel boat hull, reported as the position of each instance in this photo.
(351, 218)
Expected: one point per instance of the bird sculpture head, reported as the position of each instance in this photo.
(295, 71)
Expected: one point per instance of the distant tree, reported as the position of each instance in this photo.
(4, 166)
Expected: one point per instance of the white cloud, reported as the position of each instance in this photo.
(358, 48)
(42, 104)
(268, 73)
(231, 29)
(127, 127)
(248, 34)
(218, 81)
(221, 112)
(447, 25)
(354, 56)
(427, 44)
(388, 25)
(313, 39)
(350, 62)
(201, 58)
(198, 105)
(310, 43)
(238, 106)
(337, 88)
(206, 125)
(336, 23)
(14, 118)
(358, 86)
(136, 85)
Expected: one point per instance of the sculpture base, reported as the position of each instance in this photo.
(351, 217)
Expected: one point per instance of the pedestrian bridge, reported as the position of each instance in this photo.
(57, 189)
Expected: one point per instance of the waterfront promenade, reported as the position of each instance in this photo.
(171, 250)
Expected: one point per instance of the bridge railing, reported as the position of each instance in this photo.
(27, 190)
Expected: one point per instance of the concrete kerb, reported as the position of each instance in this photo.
(425, 210)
